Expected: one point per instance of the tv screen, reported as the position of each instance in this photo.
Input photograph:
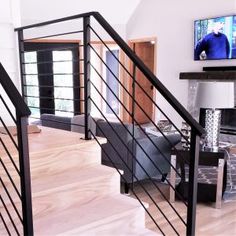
(215, 38)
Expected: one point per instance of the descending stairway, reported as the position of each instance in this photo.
(73, 194)
(86, 199)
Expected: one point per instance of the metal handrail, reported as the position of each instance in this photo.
(138, 62)
(150, 76)
(196, 129)
(24, 192)
(12, 92)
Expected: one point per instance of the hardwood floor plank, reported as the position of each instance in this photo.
(73, 194)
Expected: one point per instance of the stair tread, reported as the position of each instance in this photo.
(90, 209)
(72, 192)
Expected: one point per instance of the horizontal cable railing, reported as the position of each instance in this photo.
(15, 181)
(140, 155)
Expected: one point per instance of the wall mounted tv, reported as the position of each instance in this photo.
(215, 38)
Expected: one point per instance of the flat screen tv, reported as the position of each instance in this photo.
(215, 38)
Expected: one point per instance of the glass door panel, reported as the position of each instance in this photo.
(63, 76)
(31, 77)
(52, 79)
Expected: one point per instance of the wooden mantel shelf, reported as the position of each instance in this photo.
(211, 75)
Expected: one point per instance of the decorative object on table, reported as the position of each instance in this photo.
(211, 97)
(186, 131)
(164, 125)
(13, 131)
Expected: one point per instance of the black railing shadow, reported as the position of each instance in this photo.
(23, 172)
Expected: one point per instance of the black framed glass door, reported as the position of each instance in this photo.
(52, 79)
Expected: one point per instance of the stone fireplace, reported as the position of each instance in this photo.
(228, 115)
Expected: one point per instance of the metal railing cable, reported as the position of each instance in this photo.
(11, 200)
(131, 76)
(5, 224)
(196, 129)
(48, 86)
(48, 74)
(149, 75)
(10, 178)
(55, 98)
(178, 194)
(140, 183)
(9, 133)
(136, 103)
(51, 109)
(53, 35)
(140, 107)
(49, 62)
(9, 215)
(8, 110)
(134, 157)
(17, 195)
(140, 65)
(59, 49)
(10, 157)
(164, 156)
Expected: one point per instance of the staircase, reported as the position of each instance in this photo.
(91, 204)
(108, 209)
(73, 194)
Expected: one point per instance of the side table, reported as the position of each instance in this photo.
(181, 157)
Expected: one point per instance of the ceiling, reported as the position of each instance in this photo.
(116, 12)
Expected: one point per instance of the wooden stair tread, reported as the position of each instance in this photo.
(90, 210)
(74, 194)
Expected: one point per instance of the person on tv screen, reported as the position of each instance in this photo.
(214, 45)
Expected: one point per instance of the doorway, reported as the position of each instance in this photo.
(145, 49)
(51, 81)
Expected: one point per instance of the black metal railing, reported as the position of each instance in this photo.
(15, 180)
(128, 142)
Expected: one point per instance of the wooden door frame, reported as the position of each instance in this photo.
(130, 68)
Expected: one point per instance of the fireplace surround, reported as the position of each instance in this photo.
(228, 117)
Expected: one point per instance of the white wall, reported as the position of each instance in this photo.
(70, 26)
(9, 18)
(172, 23)
(113, 11)
(116, 12)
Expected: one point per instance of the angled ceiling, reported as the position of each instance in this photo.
(116, 12)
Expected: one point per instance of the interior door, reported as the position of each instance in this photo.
(55, 89)
(145, 50)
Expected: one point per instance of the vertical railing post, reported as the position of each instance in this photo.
(133, 118)
(192, 190)
(87, 102)
(21, 62)
(25, 176)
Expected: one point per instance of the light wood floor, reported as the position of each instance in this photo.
(73, 194)
(210, 221)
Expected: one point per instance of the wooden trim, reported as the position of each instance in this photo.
(106, 42)
(131, 42)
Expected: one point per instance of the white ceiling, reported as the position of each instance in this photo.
(116, 12)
